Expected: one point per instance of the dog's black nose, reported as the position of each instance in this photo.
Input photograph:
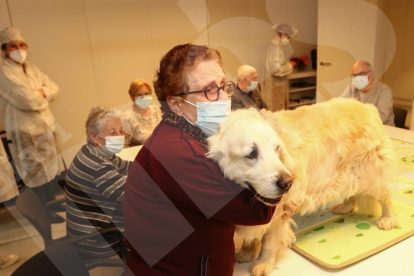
(284, 183)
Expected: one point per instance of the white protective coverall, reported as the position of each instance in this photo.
(277, 69)
(28, 122)
(8, 185)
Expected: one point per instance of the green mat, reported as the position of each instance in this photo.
(343, 240)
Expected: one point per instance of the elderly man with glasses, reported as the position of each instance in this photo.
(366, 89)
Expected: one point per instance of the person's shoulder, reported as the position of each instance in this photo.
(349, 91)
(32, 67)
(237, 94)
(128, 113)
(90, 156)
(383, 86)
(155, 108)
(174, 141)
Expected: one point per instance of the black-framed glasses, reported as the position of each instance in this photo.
(360, 74)
(212, 92)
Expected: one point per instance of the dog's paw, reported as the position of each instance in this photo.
(386, 223)
(246, 256)
(289, 209)
(342, 209)
(260, 268)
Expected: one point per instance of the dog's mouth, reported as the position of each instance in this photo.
(265, 200)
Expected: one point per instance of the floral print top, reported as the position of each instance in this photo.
(138, 128)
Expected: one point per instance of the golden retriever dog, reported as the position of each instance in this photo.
(303, 159)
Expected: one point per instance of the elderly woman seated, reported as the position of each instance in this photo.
(96, 183)
(141, 119)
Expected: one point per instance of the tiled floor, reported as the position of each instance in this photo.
(18, 236)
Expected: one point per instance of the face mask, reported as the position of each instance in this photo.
(113, 144)
(210, 115)
(360, 82)
(252, 86)
(143, 102)
(18, 56)
(284, 41)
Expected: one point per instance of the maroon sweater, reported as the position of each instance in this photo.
(180, 211)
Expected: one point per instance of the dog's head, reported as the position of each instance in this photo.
(251, 153)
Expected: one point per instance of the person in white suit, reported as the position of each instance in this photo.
(278, 66)
(25, 93)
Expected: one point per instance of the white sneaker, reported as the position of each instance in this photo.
(8, 261)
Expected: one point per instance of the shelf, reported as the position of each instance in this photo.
(303, 102)
(302, 74)
(299, 89)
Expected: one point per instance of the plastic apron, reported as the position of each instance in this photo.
(276, 82)
(29, 123)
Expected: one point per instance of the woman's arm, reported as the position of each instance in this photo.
(17, 93)
(191, 180)
(49, 87)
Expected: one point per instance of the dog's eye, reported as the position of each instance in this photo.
(253, 154)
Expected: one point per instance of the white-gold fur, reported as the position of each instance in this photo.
(332, 150)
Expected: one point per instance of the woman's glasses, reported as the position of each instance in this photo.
(212, 92)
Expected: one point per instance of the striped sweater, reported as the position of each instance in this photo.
(94, 195)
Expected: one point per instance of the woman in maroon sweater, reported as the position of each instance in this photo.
(179, 210)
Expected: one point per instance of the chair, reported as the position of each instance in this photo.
(400, 115)
(62, 258)
(37, 214)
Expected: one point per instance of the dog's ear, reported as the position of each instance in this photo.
(287, 160)
(214, 150)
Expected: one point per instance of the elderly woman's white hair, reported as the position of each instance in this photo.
(97, 118)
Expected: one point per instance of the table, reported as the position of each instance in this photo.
(129, 153)
(396, 260)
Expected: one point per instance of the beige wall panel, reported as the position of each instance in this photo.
(4, 15)
(58, 40)
(120, 35)
(173, 23)
(346, 33)
(397, 12)
(407, 80)
(229, 32)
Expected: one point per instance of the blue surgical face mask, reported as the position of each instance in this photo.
(143, 101)
(360, 82)
(113, 144)
(210, 115)
(252, 86)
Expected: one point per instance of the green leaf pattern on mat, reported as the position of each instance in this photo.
(337, 257)
(363, 226)
(359, 235)
(322, 241)
(319, 228)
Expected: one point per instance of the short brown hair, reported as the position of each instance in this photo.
(136, 85)
(171, 78)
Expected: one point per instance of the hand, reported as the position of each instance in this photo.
(293, 63)
(41, 92)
